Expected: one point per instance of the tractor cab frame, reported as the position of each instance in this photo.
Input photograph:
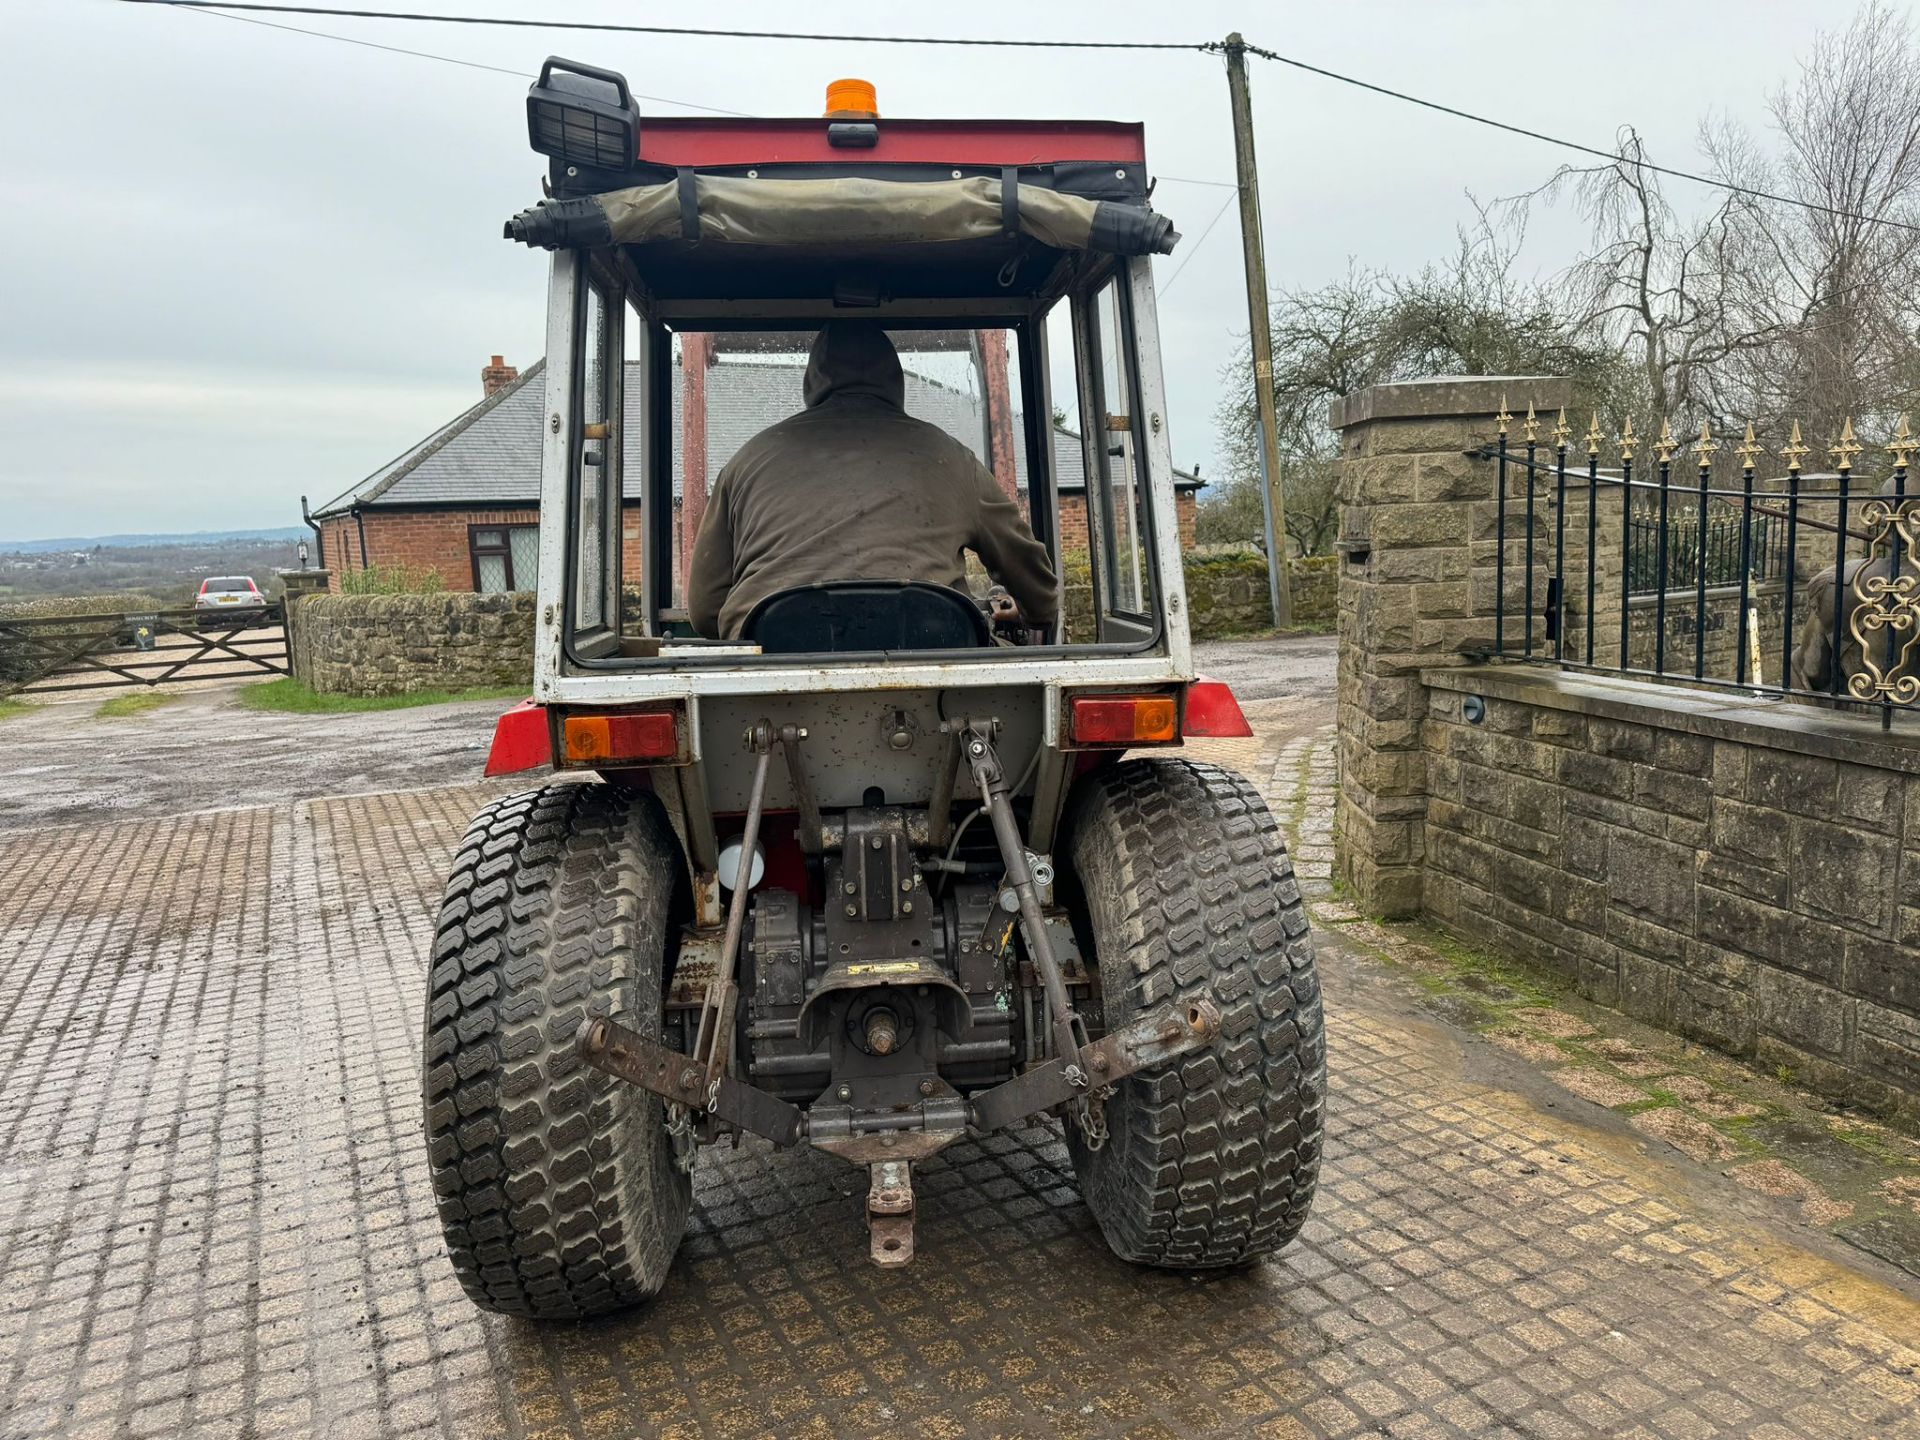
(776, 910)
(1077, 321)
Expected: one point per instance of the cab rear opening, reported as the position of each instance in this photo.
(881, 869)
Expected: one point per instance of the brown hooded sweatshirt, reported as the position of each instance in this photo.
(854, 488)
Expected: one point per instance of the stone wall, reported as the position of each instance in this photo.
(1745, 874)
(389, 644)
(1316, 588)
(1741, 871)
(44, 607)
(1226, 593)
(396, 644)
(1724, 638)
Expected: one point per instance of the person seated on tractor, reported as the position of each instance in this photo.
(854, 488)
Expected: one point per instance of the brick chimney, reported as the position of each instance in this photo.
(497, 375)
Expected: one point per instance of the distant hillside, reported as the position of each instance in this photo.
(169, 571)
(187, 537)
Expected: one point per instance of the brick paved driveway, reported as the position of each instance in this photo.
(215, 1219)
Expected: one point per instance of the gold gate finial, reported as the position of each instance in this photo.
(1561, 430)
(1503, 418)
(1666, 444)
(1794, 451)
(1843, 453)
(1706, 445)
(1749, 448)
(1593, 435)
(1627, 440)
(1530, 428)
(1903, 445)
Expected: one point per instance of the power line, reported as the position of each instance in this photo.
(221, 14)
(368, 44)
(624, 29)
(1611, 156)
(1194, 249)
(662, 100)
(220, 11)
(1202, 47)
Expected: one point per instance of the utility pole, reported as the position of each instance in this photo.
(1272, 500)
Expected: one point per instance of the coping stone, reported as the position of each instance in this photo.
(1441, 396)
(1774, 724)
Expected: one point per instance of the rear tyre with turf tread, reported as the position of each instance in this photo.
(557, 1189)
(1179, 877)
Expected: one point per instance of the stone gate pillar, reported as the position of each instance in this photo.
(305, 582)
(297, 584)
(1417, 541)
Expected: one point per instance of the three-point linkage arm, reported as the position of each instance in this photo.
(1079, 1069)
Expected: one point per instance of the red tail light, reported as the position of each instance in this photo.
(1125, 719)
(203, 586)
(651, 735)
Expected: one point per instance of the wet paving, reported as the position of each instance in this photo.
(215, 1217)
(1284, 667)
(63, 765)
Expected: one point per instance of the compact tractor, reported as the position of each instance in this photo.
(890, 869)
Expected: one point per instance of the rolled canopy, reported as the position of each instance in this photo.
(845, 211)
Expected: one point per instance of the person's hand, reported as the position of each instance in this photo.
(1003, 609)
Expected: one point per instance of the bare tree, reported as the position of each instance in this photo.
(1850, 131)
(1471, 315)
(1755, 309)
(1663, 290)
(1325, 344)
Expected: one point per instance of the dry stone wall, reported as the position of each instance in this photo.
(398, 644)
(1226, 594)
(393, 644)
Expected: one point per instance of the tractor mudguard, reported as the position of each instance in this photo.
(522, 740)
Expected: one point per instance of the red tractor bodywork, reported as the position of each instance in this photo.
(707, 143)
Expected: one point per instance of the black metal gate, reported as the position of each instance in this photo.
(155, 647)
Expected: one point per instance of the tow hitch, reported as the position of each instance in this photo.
(890, 1212)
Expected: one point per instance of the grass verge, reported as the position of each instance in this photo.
(122, 707)
(293, 697)
(11, 708)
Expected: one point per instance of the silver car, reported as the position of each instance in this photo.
(234, 593)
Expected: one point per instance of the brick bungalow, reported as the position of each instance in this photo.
(465, 501)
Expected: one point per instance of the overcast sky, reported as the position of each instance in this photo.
(239, 265)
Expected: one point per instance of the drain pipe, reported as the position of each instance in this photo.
(360, 523)
(319, 540)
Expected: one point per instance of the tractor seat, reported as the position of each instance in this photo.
(864, 615)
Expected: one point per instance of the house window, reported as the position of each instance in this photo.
(505, 557)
